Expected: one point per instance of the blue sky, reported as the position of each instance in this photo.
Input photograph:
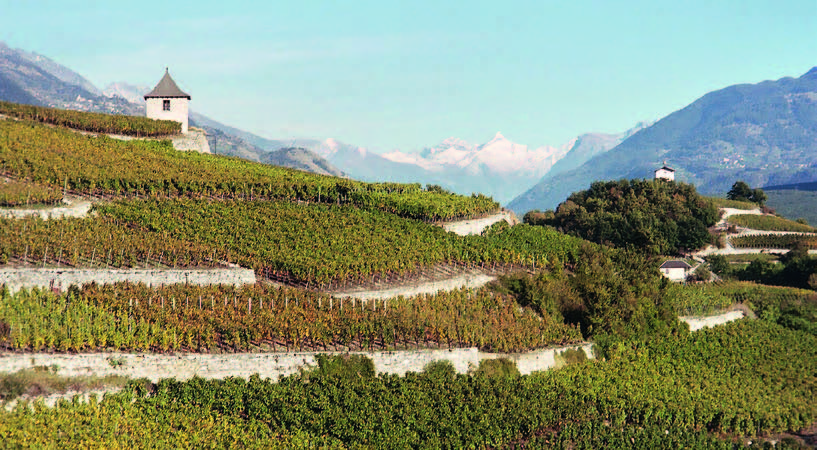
(407, 74)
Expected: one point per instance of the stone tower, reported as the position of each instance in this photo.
(167, 102)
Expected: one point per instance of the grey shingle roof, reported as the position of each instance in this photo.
(675, 264)
(167, 88)
(666, 168)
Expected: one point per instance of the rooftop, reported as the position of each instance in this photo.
(167, 88)
(675, 264)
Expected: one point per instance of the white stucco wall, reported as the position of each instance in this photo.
(178, 110)
(665, 174)
(675, 274)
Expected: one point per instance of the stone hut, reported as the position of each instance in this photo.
(167, 102)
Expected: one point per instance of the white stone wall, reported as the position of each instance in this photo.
(195, 140)
(184, 366)
(477, 226)
(16, 279)
(697, 322)
(178, 110)
(472, 281)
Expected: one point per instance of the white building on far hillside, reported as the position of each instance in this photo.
(675, 270)
(167, 102)
(665, 173)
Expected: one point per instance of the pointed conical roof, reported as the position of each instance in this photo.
(167, 89)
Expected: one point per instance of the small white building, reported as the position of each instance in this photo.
(665, 173)
(167, 102)
(675, 270)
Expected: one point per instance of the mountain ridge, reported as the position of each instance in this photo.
(763, 133)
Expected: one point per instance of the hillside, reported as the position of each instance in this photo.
(764, 134)
(302, 159)
(33, 79)
(794, 201)
(157, 210)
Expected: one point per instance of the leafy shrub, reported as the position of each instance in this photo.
(344, 366)
(571, 356)
(440, 369)
(497, 368)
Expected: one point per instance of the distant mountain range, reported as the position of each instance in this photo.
(499, 167)
(764, 134)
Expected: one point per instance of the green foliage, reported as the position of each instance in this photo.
(572, 356)
(18, 193)
(718, 264)
(699, 299)
(734, 204)
(746, 378)
(539, 218)
(305, 243)
(497, 368)
(41, 380)
(93, 122)
(104, 166)
(204, 318)
(656, 217)
(774, 241)
(768, 223)
(610, 292)
(702, 273)
(442, 369)
(343, 366)
(623, 294)
(743, 193)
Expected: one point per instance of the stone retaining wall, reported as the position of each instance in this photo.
(473, 281)
(16, 279)
(697, 322)
(267, 365)
(477, 226)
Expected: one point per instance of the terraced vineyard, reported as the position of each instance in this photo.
(774, 240)
(193, 318)
(736, 204)
(96, 242)
(92, 122)
(294, 243)
(709, 389)
(20, 193)
(769, 223)
(116, 169)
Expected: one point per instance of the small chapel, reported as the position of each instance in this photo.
(665, 173)
(167, 102)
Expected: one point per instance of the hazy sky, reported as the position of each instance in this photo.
(406, 74)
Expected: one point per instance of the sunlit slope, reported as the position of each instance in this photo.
(104, 166)
(92, 122)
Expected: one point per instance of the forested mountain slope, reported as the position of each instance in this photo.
(763, 133)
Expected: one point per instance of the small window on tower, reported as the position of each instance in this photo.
(165, 105)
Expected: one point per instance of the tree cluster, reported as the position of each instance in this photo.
(656, 217)
(609, 292)
(743, 193)
(796, 269)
